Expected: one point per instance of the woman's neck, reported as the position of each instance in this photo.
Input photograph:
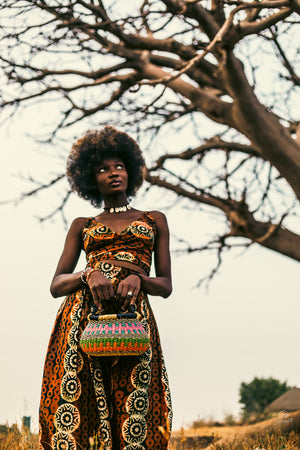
(115, 201)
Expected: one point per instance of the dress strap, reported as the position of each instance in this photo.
(85, 225)
(151, 219)
(87, 222)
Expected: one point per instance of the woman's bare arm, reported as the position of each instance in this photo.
(161, 285)
(65, 281)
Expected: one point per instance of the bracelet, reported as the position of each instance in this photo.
(138, 275)
(83, 276)
(89, 274)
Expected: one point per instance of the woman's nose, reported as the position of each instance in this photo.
(113, 172)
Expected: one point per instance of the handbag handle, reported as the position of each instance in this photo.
(132, 314)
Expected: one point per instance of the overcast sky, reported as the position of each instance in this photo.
(246, 325)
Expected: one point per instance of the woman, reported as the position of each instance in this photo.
(111, 403)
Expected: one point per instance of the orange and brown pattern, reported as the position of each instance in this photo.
(134, 244)
(118, 402)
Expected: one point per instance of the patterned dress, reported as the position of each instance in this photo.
(118, 403)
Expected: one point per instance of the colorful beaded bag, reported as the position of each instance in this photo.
(114, 334)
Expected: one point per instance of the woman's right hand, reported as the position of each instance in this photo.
(100, 287)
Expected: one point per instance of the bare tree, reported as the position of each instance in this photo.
(175, 65)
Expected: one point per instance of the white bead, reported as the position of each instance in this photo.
(119, 209)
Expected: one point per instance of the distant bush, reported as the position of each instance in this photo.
(258, 394)
(206, 422)
(230, 420)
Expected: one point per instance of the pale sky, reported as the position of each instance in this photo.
(246, 325)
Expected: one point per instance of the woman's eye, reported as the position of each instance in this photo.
(100, 170)
(120, 166)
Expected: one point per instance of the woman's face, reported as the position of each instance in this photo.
(111, 177)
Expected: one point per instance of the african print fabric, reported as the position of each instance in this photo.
(109, 403)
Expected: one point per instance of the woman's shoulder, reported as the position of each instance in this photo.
(79, 223)
(159, 218)
(157, 215)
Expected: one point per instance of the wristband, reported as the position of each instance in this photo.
(89, 274)
(138, 275)
(83, 276)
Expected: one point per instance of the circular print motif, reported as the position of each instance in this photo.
(97, 374)
(103, 230)
(76, 313)
(73, 338)
(67, 418)
(70, 388)
(141, 229)
(102, 407)
(98, 387)
(137, 402)
(106, 267)
(63, 441)
(134, 429)
(104, 433)
(109, 270)
(146, 357)
(73, 361)
(140, 376)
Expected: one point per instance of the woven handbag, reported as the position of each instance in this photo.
(114, 335)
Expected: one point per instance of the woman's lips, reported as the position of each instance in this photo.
(115, 183)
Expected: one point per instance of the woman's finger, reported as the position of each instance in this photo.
(96, 299)
(97, 293)
(130, 298)
(134, 297)
(124, 291)
(111, 292)
(124, 299)
(118, 291)
(105, 292)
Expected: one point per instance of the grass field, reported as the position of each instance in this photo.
(282, 432)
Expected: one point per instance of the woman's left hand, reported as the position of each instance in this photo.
(128, 290)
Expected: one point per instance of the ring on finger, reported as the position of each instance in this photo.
(129, 294)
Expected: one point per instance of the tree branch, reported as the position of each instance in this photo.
(242, 223)
(212, 144)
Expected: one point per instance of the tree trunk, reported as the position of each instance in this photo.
(261, 126)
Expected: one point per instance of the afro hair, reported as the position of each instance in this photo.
(90, 150)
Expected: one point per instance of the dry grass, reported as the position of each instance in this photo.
(12, 439)
(282, 432)
(269, 441)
